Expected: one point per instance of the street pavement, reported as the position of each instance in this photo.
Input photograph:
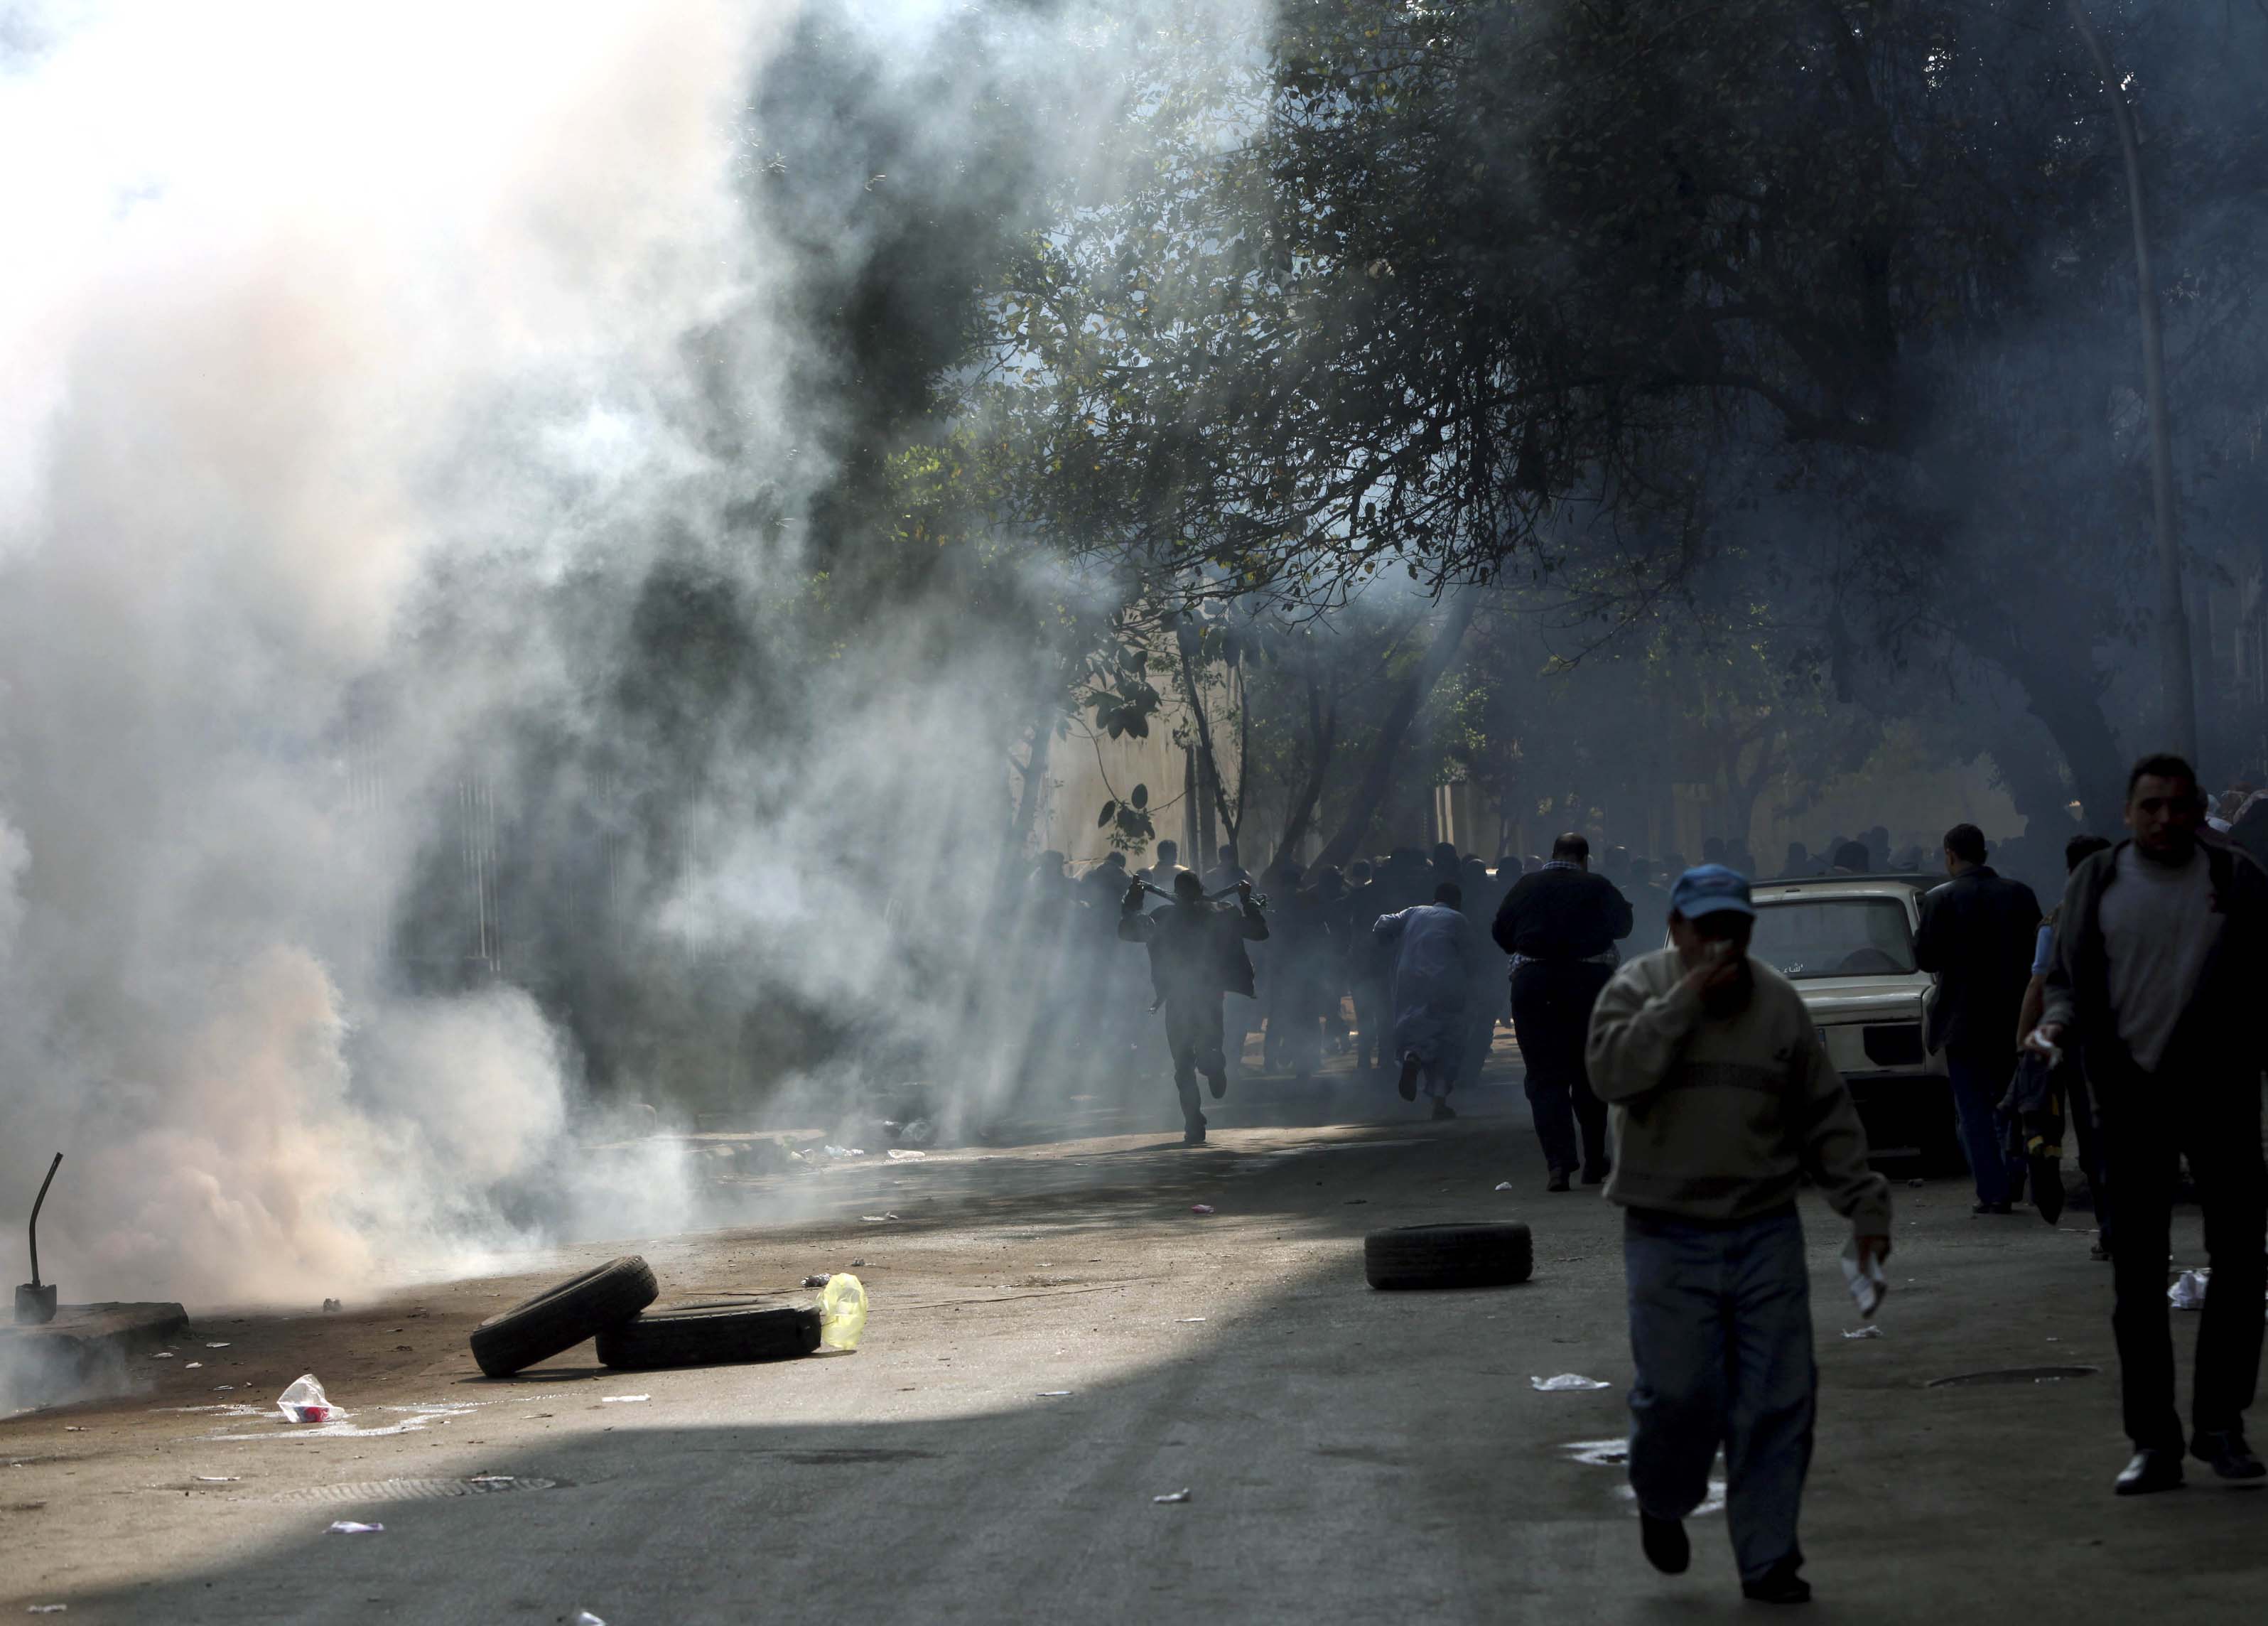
(1056, 1339)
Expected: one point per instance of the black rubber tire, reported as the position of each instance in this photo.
(559, 1318)
(724, 1335)
(1416, 1256)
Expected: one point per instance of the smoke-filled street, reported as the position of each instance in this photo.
(1132, 809)
(1348, 1453)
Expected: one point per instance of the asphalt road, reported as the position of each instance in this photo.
(1349, 1455)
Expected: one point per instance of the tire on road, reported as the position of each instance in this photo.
(1420, 1256)
(709, 1334)
(559, 1318)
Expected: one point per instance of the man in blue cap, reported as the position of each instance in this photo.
(1723, 1100)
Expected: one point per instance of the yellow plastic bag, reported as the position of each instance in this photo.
(841, 1313)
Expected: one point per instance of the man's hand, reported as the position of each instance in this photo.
(2046, 1039)
(1133, 893)
(1244, 891)
(1718, 971)
(1873, 1251)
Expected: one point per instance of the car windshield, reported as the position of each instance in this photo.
(1834, 937)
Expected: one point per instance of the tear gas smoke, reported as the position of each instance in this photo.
(364, 370)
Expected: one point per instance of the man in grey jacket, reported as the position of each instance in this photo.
(2162, 944)
(1723, 1100)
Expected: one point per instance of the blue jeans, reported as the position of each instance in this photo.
(1721, 1333)
(1987, 1136)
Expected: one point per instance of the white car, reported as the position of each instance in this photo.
(1847, 943)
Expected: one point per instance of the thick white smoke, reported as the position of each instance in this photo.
(303, 301)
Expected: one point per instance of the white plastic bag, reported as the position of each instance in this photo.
(1567, 1380)
(2188, 1289)
(304, 1401)
(1866, 1286)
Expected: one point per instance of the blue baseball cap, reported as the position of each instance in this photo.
(1711, 889)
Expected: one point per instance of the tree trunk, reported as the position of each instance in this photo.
(1322, 740)
(2178, 678)
(1377, 780)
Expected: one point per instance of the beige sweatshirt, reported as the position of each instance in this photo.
(1716, 1119)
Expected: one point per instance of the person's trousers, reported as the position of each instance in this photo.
(1988, 1138)
(1720, 1335)
(2086, 1130)
(1551, 1002)
(2215, 1122)
(1373, 1014)
(1193, 1034)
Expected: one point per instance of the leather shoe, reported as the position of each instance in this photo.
(2226, 1451)
(1780, 1584)
(2152, 1469)
(1667, 1547)
(1558, 1181)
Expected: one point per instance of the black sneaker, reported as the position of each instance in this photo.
(1556, 1180)
(2151, 1469)
(1217, 1082)
(1595, 1173)
(2225, 1450)
(1408, 1083)
(1780, 1584)
(1442, 1108)
(1667, 1547)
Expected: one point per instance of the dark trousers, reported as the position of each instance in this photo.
(1193, 1034)
(1720, 1334)
(1373, 1014)
(1551, 1002)
(1988, 1137)
(2149, 1127)
(2086, 1130)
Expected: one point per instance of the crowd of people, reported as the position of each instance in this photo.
(1692, 1082)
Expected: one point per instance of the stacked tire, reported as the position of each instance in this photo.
(611, 1304)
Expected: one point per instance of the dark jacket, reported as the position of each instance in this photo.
(1978, 933)
(2219, 1036)
(1196, 950)
(1562, 914)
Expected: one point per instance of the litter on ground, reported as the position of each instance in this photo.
(1182, 1495)
(1200, 1208)
(622, 1399)
(1872, 1329)
(1565, 1380)
(304, 1401)
(899, 1154)
(1504, 1184)
(348, 1526)
(2188, 1289)
(1054, 1394)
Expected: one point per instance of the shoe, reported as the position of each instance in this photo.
(1991, 1207)
(1780, 1584)
(1408, 1083)
(1558, 1182)
(1442, 1108)
(2225, 1450)
(1217, 1082)
(1595, 1173)
(2152, 1469)
(2098, 1251)
(1664, 1539)
(2047, 1189)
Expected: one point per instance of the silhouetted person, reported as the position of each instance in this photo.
(1434, 948)
(1799, 862)
(1366, 970)
(1979, 933)
(2079, 1103)
(1852, 859)
(2160, 953)
(1227, 871)
(1161, 873)
(1196, 956)
(1560, 926)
